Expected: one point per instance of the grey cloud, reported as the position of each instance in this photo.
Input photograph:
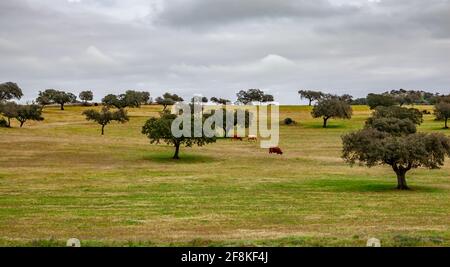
(401, 18)
(219, 47)
(196, 13)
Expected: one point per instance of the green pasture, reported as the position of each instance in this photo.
(60, 179)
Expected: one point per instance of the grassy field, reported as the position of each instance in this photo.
(60, 179)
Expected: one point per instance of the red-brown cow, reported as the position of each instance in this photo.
(237, 138)
(275, 150)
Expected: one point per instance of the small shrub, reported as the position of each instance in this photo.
(289, 121)
(3, 123)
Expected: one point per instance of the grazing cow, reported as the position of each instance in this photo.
(252, 138)
(275, 150)
(237, 138)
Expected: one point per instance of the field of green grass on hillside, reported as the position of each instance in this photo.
(60, 179)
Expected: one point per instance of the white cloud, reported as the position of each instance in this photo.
(95, 56)
(268, 64)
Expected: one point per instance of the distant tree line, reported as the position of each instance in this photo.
(130, 98)
(399, 97)
(326, 106)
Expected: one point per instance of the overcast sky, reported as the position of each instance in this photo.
(217, 47)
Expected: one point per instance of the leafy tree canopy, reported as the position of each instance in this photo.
(414, 116)
(311, 95)
(376, 100)
(403, 153)
(105, 116)
(390, 137)
(159, 130)
(134, 99)
(220, 101)
(174, 97)
(332, 107)
(130, 98)
(405, 97)
(9, 110)
(199, 99)
(86, 96)
(28, 112)
(394, 126)
(164, 102)
(52, 96)
(230, 120)
(22, 113)
(10, 90)
(267, 98)
(253, 95)
(168, 99)
(145, 97)
(442, 109)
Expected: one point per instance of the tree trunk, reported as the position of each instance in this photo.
(164, 107)
(446, 120)
(103, 129)
(325, 120)
(225, 132)
(177, 151)
(21, 124)
(401, 180)
(9, 122)
(310, 102)
(62, 106)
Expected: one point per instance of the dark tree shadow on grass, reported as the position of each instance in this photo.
(166, 157)
(320, 126)
(444, 130)
(368, 186)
